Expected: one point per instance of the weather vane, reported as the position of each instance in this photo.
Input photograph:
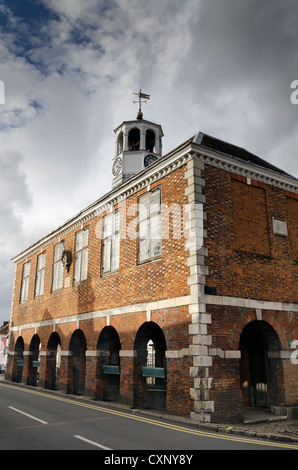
(142, 99)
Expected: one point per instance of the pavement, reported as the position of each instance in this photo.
(262, 424)
(257, 422)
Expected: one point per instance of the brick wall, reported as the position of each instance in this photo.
(245, 258)
(164, 278)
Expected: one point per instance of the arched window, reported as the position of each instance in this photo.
(150, 141)
(134, 139)
(120, 143)
(150, 354)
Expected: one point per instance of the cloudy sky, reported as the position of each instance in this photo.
(223, 67)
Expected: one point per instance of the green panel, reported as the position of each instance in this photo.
(114, 370)
(35, 363)
(154, 372)
(20, 363)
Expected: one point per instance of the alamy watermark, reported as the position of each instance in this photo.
(294, 94)
(159, 221)
(294, 355)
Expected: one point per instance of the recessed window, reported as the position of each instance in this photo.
(150, 225)
(120, 143)
(58, 267)
(39, 285)
(134, 139)
(150, 141)
(111, 242)
(81, 256)
(25, 282)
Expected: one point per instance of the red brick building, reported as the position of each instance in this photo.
(176, 290)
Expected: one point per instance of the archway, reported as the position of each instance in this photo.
(120, 143)
(261, 372)
(134, 139)
(53, 362)
(34, 362)
(18, 360)
(77, 363)
(150, 141)
(109, 364)
(150, 365)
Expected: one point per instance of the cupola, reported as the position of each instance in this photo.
(138, 144)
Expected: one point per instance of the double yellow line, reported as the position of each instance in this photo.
(154, 422)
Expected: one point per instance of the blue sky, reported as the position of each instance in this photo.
(223, 67)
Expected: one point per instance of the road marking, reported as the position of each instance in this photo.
(154, 422)
(29, 416)
(92, 442)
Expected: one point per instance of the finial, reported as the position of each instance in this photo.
(144, 97)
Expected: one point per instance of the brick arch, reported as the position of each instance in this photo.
(33, 368)
(261, 371)
(52, 366)
(281, 329)
(17, 368)
(245, 317)
(109, 342)
(77, 363)
(108, 365)
(150, 390)
(127, 327)
(151, 331)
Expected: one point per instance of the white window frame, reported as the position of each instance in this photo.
(58, 267)
(111, 242)
(40, 271)
(25, 281)
(81, 255)
(149, 224)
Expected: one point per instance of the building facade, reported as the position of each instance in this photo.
(177, 290)
(4, 332)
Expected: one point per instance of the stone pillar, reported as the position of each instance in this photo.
(26, 367)
(43, 356)
(91, 368)
(127, 360)
(177, 370)
(125, 141)
(64, 379)
(142, 139)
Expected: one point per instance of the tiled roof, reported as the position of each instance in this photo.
(234, 151)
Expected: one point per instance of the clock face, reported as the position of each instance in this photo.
(149, 159)
(117, 166)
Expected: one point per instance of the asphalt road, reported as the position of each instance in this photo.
(39, 420)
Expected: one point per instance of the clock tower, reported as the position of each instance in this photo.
(138, 144)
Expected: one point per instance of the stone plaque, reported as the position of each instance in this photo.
(280, 227)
